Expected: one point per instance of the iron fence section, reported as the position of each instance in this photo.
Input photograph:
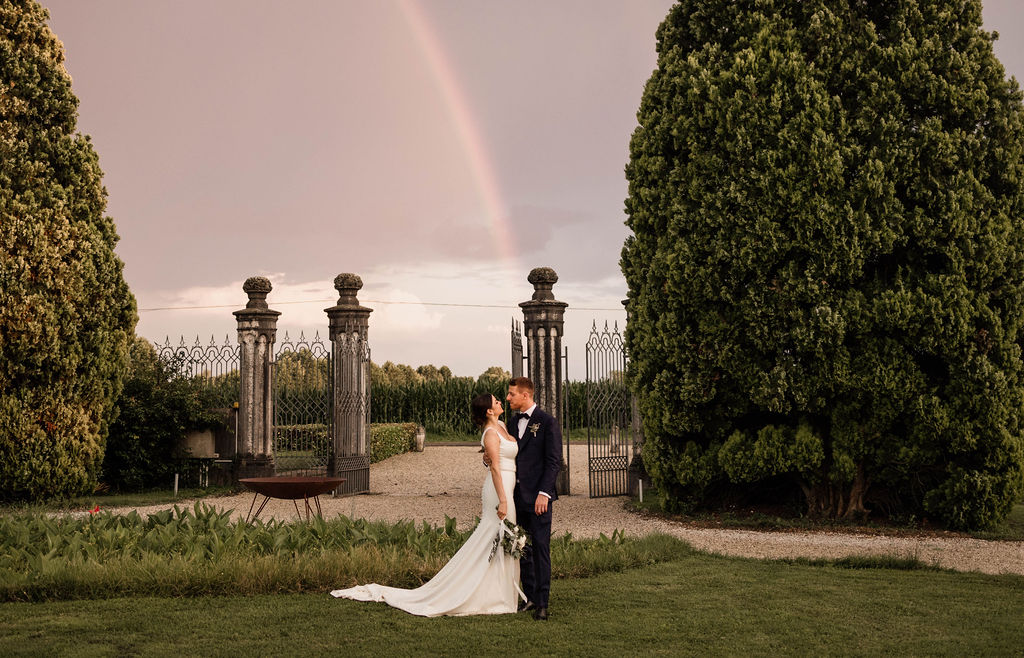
(215, 366)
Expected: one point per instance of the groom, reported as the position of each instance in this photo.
(537, 466)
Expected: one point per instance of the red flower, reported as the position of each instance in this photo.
(94, 510)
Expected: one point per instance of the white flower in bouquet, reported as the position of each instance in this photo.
(512, 539)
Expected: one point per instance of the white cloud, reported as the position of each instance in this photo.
(453, 314)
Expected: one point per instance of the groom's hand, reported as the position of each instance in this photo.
(540, 505)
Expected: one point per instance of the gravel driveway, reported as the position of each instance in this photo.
(446, 480)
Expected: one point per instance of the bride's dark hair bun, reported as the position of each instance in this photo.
(478, 408)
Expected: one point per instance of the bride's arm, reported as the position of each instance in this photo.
(491, 448)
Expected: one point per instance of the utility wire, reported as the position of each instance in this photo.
(367, 301)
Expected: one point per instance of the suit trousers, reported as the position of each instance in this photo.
(535, 565)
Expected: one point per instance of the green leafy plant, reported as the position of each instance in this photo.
(157, 407)
(202, 551)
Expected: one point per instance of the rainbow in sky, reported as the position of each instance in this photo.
(463, 122)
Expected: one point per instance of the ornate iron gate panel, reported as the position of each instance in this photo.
(609, 414)
(216, 366)
(302, 407)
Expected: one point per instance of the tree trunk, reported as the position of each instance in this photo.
(837, 501)
(855, 506)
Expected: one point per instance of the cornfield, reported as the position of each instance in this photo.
(443, 406)
(440, 406)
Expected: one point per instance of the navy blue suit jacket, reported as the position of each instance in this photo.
(540, 456)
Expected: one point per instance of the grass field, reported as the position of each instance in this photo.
(691, 604)
(696, 605)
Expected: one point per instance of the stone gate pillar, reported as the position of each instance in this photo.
(350, 349)
(543, 323)
(257, 330)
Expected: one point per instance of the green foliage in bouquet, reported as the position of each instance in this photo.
(511, 538)
(66, 314)
(827, 256)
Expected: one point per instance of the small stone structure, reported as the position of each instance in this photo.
(257, 330)
(349, 327)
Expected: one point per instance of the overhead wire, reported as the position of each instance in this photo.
(367, 301)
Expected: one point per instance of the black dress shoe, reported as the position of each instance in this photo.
(526, 605)
(541, 613)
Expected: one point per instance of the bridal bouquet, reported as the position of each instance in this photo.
(512, 539)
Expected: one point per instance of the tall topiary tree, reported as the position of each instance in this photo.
(66, 314)
(826, 266)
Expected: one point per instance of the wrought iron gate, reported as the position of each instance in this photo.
(302, 407)
(353, 413)
(517, 349)
(609, 415)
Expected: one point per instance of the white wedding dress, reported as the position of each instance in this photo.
(472, 583)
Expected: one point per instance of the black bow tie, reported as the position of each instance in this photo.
(520, 415)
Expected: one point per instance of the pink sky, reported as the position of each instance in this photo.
(438, 148)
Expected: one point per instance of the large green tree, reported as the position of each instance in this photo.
(827, 255)
(66, 315)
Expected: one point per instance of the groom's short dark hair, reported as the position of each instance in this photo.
(523, 383)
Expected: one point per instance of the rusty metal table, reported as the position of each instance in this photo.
(290, 488)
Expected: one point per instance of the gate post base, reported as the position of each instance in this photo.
(356, 471)
(562, 481)
(254, 466)
(638, 473)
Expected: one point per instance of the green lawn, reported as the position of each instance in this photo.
(697, 605)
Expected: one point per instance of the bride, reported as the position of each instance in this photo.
(475, 581)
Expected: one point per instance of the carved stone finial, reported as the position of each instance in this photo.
(257, 287)
(542, 278)
(347, 285)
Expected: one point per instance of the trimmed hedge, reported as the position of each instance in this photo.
(390, 439)
(386, 439)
